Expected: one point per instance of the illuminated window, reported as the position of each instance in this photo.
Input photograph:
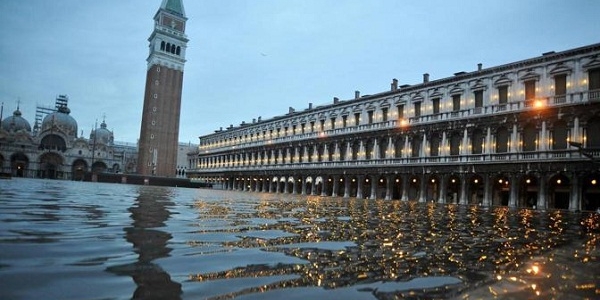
(503, 94)
(594, 79)
(560, 85)
(436, 105)
(400, 111)
(478, 98)
(529, 90)
(455, 103)
(417, 109)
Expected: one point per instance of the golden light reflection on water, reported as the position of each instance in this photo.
(504, 248)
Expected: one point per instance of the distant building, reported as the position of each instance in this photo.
(53, 149)
(523, 134)
(158, 143)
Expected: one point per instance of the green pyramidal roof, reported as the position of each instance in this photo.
(174, 6)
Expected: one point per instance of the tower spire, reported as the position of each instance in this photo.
(173, 6)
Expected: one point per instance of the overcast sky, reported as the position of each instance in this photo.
(251, 58)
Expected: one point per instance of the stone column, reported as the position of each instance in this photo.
(374, 185)
(423, 189)
(514, 191)
(514, 140)
(405, 179)
(303, 188)
(359, 192)
(443, 188)
(346, 187)
(575, 203)
(335, 185)
(463, 199)
(542, 194)
(487, 190)
(388, 187)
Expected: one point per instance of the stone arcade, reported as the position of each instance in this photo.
(523, 134)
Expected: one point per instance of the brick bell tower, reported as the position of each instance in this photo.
(159, 133)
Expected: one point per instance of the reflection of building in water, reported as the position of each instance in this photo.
(494, 136)
(52, 148)
(149, 213)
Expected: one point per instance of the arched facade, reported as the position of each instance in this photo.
(52, 149)
(506, 136)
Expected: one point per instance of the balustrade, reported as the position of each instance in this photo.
(558, 155)
(559, 100)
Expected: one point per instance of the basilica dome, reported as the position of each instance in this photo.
(16, 122)
(60, 120)
(102, 135)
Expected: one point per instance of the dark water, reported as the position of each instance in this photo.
(78, 240)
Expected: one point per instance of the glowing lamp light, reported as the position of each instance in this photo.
(538, 103)
(414, 180)
(594, 181)
(558, 181)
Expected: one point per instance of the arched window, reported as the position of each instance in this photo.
(434, 149)
(162, 45)
(477, 141)
(593, 139)
(382, 148)
(529, 137)
(559, 135)
(178, 51)
(416, 146)
(455, 140)
(369, 149)
(502, 140)
(398, 146)
(355, 150)
(168, 47)
(173, 49)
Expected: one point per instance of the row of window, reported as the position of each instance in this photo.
(560, 89)
(170, 48)
(500, 143)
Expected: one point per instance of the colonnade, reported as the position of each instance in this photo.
(560, 190)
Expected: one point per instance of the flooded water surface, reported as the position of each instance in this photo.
(80, 240)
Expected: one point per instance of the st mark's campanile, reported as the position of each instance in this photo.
(159, 133)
